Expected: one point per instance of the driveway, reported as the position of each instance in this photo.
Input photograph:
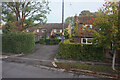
(42, 55)
(43, 52)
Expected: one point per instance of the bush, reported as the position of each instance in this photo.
(77, 51)
(18, 42)
(42, 41)
(50, 41)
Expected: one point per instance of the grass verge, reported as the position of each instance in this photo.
(83, 66)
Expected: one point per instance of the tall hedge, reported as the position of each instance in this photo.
(18, 42)
(77, 51)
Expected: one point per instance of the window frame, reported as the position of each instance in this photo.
(86, 42)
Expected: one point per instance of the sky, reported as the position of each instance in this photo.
(72, 7)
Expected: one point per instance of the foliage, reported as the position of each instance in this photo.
(52, 41)
(18, 42)
(107, 35)
(70, 20)
(49, 41)
(58, 34)
(87, 13)
(77, 51)
(42, 41)
(24, 13)
(107, 22)
(76, 29)
(66, 34)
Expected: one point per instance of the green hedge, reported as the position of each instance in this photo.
(50, 41)
(77, 51)
(42, 41)
(18, 42)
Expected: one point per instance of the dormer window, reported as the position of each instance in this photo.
(37, 30)
(55, 31)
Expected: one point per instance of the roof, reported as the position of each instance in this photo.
(85, 19)
(49, 26)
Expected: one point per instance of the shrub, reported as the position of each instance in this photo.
(50, 41)
(53, 41)
(18, 42)
(77, 51)
(42, 41)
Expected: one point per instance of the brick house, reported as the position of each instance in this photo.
(84, 36)
(50, 29)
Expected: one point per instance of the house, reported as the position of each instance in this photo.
(84, 36)
(49, 29)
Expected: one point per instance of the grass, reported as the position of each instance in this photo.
(83, 66)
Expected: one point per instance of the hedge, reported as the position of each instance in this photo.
(42, 41)
(18, 42)
(77, 51)
(50, 41)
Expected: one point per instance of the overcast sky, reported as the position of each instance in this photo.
(72, 7)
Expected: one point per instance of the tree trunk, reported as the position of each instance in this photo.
(113, 62)
(106, 53)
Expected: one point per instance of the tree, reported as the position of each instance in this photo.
(25, 12)
(70, 20)
(107, 23)
(87, 13)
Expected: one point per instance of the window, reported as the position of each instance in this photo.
(44, 30)
(91, 26)
(60, 30)
(37, 30)
(86, 40)
(54, 30)
(85, 26)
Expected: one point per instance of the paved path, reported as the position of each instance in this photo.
(17, 70)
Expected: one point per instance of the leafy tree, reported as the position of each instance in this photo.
(87, 13)
(70, 20)
(107, 35)
(25, 12)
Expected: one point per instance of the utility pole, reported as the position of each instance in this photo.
(63, 20)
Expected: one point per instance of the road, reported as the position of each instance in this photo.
(18, 70)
